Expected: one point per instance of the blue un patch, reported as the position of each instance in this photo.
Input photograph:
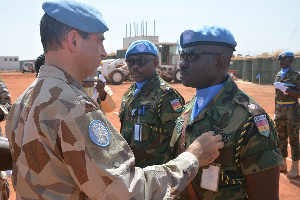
(99, 133)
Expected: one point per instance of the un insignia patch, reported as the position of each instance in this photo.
(262, 124)
(187, 36)
(99, 133)
(141, 47)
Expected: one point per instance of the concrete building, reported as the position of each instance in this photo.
(9, 63)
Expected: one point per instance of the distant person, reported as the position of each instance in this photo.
(39, 62)
(63, 146)
(287, 111)
(247, 167)
(5, 164)
(104, 99)
(101, 93)
(149, 107)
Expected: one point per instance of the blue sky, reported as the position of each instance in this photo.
(258, 25)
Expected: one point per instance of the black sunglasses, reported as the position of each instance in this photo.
(191, 55)
(140, 61)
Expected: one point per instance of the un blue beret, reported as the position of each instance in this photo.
(141, 47)
(286, 54)
(77, 15)
(208, 35)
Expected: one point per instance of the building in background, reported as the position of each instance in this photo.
(9, 63)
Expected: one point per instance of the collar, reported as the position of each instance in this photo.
(48, 71)
(223, 99)
(150, 83)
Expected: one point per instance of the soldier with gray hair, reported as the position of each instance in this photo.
(247, 166)
(63, 146)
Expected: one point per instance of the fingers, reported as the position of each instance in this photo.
(220, 145)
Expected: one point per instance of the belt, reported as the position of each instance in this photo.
(286, 103)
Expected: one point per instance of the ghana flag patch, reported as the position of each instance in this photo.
(176, 105)
(262, 124)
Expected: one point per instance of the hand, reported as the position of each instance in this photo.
(206, 147)
(100, 89)
(280, 86)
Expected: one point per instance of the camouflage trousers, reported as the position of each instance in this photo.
(4, 187)
(287, 126)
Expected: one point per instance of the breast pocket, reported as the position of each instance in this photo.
(149, 113)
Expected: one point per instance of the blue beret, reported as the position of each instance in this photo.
(286, 54)
(77, 15)
(141, 47)
(208, 35)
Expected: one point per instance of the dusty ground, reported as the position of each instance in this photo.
(264, 95)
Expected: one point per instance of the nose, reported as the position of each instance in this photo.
(135, 66)
(103, 53)
(183, 64)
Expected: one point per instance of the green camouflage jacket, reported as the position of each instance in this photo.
(159, 106)
(56, 134)
(5, 101)
(292, 78)
(231, 113)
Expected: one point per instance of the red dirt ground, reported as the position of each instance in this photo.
(264, 95)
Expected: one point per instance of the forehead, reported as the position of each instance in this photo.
(202, 47)
(140, 56)
(97, 36)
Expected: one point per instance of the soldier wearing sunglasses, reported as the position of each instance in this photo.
(247, 166)
(149, 107)
(287, 88)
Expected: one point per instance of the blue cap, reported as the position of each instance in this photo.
(286, 54)
(208, 35)
(141, 47)
(77, 15)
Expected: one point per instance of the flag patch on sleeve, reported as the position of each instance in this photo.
(176, 105)
(262, 124)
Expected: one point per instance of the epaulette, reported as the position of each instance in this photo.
(165, 87)
(248, 104)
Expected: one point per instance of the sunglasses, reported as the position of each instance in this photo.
(140, 61)
(191, 55)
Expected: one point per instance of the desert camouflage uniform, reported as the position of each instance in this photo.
(55, 158)
(231, 111)
(156, 98)
(288, 117)
(5, 106)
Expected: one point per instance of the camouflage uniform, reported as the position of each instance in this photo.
(287, 115)
(232, 112)
(55, 158)
(157, 99)
(5, 106)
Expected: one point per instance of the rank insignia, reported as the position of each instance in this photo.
(262, 124)
(99, 133)
(176, 105)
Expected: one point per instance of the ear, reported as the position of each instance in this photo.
(155, 62)
(72, 40)
(220, 62)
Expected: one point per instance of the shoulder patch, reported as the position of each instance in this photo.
(99, 133)
(262, 124)
(176, 105)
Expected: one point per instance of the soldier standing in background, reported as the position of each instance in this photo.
(149, 107)
(287, 111)
(63, 146)
(248, 164)
(5, 106)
